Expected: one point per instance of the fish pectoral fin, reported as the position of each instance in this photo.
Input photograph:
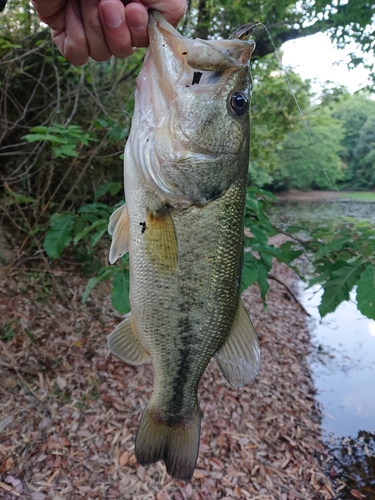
(161, 240)
(239, 357)
(118, 227)
(125, 343)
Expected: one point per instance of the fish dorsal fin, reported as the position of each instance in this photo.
(125, 343)
(118, 227)
(239, 357)
(161, 240)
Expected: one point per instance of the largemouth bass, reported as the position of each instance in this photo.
(185, 172)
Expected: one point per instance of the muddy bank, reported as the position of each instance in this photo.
(69, 410)
(295, 195)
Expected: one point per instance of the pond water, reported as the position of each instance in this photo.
(343, 359)
(343, 363)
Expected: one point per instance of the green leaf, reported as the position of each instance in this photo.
(338, 286)
(59, 234)
(263, 281)
(99, 234)
(43, 137)
(259, 235)
(111, 187)
(289, 254)
(99, 225)
(331, 247)
(104, 274)
(120, 291)
(96, 208)
(116, 134)
(366, 292)
(65, 150)
(249, 271)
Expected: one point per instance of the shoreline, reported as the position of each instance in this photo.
(329, 196)
(75, 408)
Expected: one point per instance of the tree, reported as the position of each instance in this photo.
(287, 20)
(273, 114)
(353, 112)
(365, 154)
(306, 165)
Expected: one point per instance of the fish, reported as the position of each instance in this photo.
(185, 177)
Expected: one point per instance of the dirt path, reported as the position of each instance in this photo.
(69, 410)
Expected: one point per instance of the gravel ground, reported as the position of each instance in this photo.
(69, 410)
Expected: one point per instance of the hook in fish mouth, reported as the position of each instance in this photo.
(195, 62)
(2, 5)
(244, 32)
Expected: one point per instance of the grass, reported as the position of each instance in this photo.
(366, 196)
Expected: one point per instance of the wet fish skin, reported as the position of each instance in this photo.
(185, 174)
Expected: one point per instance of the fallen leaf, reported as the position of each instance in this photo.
(8, 464)
(124, 458)
(61, 383)
(356, 494)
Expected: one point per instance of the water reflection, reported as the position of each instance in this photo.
(354, 465)
(343, 365)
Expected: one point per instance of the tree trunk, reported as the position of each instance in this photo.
(202, 29)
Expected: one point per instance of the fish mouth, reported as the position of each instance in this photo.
(193, 63)
(181, 82)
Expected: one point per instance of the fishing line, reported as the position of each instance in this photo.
(346, 219)
(299, 107)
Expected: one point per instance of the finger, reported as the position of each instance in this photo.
(137, 19)
(96, 38)
(172, 10)
(117, 34)
(48, 8)
(69, 35)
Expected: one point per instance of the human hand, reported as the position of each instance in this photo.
(102, 28)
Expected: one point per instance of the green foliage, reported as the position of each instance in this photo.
(354, 112)
(305, 164)
(364, 153)
(120, 290)
(7, 333)
(347, 22)
(59, 235)
(366, 292)
(273, 114)
(259, 252)
(64, 140)
(119, 275)
(341, 259)
(62, 131)
(87, 226)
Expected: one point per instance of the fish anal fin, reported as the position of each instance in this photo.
(125, 343)
(176, 444)
(119, 228)
(239, 356)
(161, 240)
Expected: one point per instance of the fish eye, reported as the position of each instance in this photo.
(239, 103)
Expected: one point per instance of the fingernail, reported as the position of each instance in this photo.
(112, 14)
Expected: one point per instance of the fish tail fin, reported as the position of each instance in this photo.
(176, 444)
